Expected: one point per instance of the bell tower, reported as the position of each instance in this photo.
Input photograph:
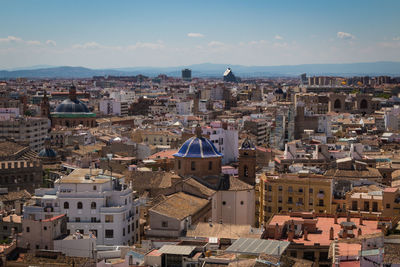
(247, 162)
(45, 106)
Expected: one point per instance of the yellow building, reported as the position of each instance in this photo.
(155, 138)
(293, 192)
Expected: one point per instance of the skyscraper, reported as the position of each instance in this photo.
(187, 74)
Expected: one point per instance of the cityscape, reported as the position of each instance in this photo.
(195, 134)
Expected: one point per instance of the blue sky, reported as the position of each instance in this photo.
(106, 34)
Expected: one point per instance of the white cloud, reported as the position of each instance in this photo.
(397, 38)
(345, 36)
(33, 42)
(88, 45)
(154, 46)
(51, 43)
(195, 35)
(278, 37)
(215, 44)
(10, 39)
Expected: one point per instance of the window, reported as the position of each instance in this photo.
(123, 231)
(164, 224)
(45, 228)
(109, 233)
(310, 190)
(388, 206)
(224, 203)
(4, 227)
(93, 205)
(77, 219)
(109, 218)
(179, 164)
(193, 166)
(270, 188)
(66, 205)
(210, 165)
(280, 188)
(79, 205)
(280, 199)
(321, 202)
(241, 202)
(290, 189)
(300, 190)
(279, 209)
(290, 200)
(269, 209)
(94, 188)
(269, 198)
(93, 219)
(245, 171)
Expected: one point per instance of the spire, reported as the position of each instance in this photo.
(198, 131)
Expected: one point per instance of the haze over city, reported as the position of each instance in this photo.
(101, 34)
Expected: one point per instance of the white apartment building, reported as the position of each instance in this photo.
(32, 130)
(225, 138)
(94, 202)
(184, 107)
(113, 107)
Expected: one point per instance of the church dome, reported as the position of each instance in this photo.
(72, 106)
(47, 153)
(198, 147)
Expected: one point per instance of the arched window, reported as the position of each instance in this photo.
(246, 171)
(92, 206)
(193, 166)
(79, 205)
(337, 104)
(66, 205)
(363, 104)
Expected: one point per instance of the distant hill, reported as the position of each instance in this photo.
(213, 70)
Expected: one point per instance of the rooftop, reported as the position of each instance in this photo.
(96, 176)
(180, 205)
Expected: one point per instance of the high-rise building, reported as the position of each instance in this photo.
(187, 74)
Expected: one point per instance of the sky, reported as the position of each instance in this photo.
(112, 34)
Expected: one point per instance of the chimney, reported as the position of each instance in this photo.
(305, 234)
(331, 233)
(290, 235)
(359, 232)
(336, 217)
(361, 220)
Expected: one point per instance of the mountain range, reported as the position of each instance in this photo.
(389, 68)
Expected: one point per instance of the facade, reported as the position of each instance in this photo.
(21, 174)
(113, 107)
(94, 202)
(257, 127)
(40, 234)
(31, 130)
(234, 204)
(73, 112)
(198, 156)
(225, 139)
(295, 193)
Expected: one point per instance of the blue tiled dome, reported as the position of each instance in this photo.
(47, 153)
(198, 147)
(72, 106)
